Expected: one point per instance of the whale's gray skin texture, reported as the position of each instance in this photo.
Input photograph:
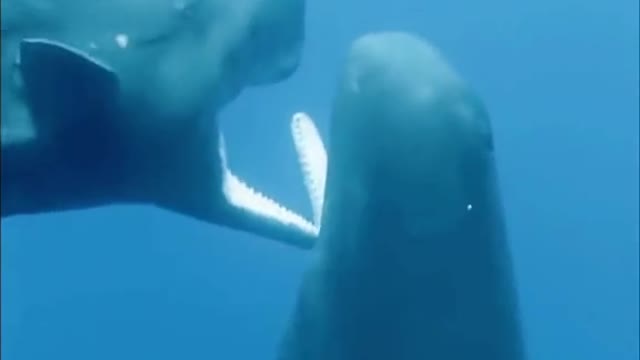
(412, 262)
(115, 101)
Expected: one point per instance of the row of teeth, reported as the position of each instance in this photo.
(242, 195)
(313, 160)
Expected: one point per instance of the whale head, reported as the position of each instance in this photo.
(172, 58)
(405, 126)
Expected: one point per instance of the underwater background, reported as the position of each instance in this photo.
(560, 79)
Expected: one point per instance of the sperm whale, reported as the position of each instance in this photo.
(117, 102)
(412, 261)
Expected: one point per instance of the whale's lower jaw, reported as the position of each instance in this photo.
(412, 261)
(192, 182)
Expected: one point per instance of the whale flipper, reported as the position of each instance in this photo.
(69, 161)
(69, 93)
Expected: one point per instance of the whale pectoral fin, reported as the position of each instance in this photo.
(312, 156)
(70, 94)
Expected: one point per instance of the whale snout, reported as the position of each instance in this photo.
(404, 120)
(404, 101)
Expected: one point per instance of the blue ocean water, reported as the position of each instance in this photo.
(560, 79)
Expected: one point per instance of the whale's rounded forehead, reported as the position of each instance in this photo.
(400, 85)
(399, 59)
(405, 126)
